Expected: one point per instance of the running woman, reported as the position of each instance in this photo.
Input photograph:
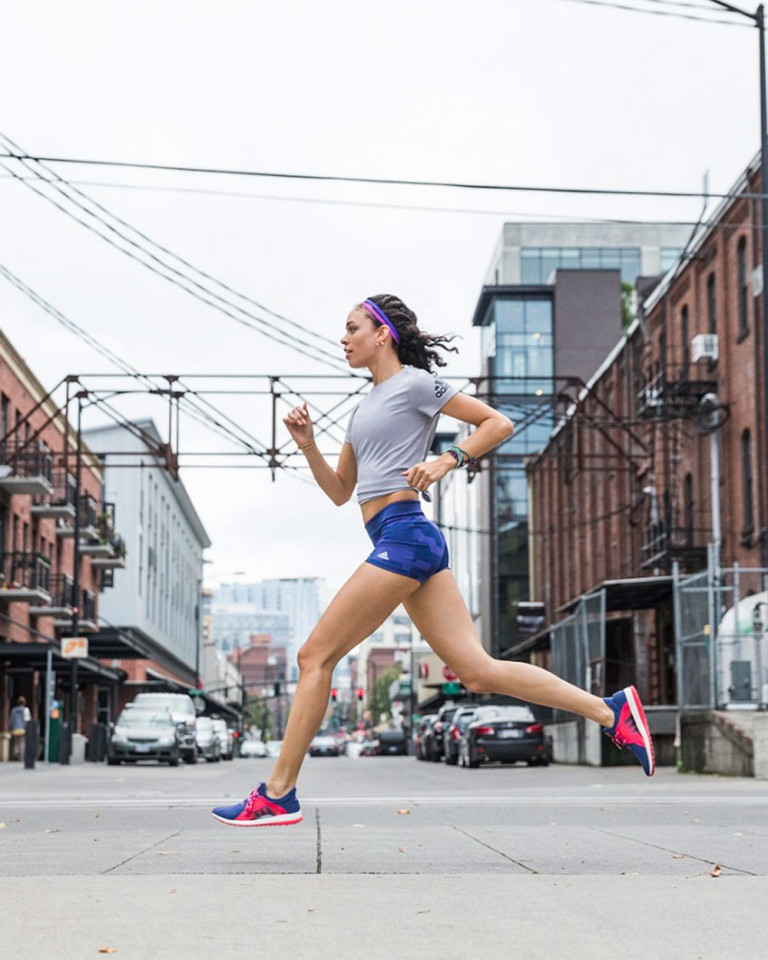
(389, 436)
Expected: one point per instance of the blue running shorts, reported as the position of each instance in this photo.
(405, 542)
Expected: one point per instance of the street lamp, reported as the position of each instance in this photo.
(758, 18)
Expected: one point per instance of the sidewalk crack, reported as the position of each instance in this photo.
(140, 852)
(319, 847)
(681, 853)
(494, 849)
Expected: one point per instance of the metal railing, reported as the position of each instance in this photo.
(28, 460)
(21, 570)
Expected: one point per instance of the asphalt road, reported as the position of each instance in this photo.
(395, 858)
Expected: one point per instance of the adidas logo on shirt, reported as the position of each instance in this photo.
(383, 556)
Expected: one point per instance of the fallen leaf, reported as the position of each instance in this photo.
(174, 890)
(161, 853)
(678, 856)
(96, 816)
(717, 871)
(54, 830)
(107, 949)
(403, 811)
(401, 849)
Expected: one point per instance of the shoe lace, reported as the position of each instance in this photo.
(254, 801)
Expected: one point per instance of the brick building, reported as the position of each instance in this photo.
(624, 491)
(38, 506)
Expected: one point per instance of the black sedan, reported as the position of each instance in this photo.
(503, 734)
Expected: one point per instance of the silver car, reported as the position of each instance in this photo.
(207, 741)
(226, 738)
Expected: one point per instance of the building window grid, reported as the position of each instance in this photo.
(538, 263)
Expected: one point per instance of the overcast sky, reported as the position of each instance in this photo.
(536, 92)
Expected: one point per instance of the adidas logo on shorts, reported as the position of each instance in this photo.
(383, 556)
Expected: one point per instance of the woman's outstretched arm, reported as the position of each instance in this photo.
(337, 484)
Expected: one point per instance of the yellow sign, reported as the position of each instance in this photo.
(74, 647)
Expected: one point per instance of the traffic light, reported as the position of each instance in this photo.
(360, 693)
(334, 695)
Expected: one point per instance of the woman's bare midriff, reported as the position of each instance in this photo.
(371, 507)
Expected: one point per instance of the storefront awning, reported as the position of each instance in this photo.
(33, 656)
(118, 643)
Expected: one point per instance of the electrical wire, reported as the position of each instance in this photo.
(385, 181)
(659, 13)
(319, 354)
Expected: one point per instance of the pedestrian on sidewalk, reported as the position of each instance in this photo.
(20, 715)
(388, 439)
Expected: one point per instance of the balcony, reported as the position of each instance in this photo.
(60, 505)
(674, 390)
(26, 468)
(25, 578)
(86, 616)
(61, 599)
(111, 556)
(89, 522)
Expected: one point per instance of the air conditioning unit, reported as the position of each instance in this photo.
(704, 347)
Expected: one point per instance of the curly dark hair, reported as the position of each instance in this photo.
(416, 348)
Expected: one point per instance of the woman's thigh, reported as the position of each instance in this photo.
(438, 610)
(358, 610)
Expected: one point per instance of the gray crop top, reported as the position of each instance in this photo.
(392, 429)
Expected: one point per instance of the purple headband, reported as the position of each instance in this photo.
(380, 315)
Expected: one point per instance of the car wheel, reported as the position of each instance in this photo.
(451, 760)
(173, 762)
(191, 757)
(113, 762)
(471, 762)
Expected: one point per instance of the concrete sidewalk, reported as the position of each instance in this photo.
(382, 917)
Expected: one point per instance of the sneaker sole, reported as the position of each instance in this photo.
(284, 820)
(638, 715)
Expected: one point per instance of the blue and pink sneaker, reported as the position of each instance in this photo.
(259, 810)
(630, 728)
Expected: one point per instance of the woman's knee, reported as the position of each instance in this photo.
(314, 655)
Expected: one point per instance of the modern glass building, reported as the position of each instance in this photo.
(550, 311)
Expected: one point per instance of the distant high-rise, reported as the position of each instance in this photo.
(287, 609)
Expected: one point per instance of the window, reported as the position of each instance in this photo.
(685, 333)
(743, 282)
(538, 263)
(747, 484)
(712, 303)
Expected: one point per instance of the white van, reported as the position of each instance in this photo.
(182, 708)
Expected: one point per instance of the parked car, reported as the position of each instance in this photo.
(393, 742)
(433, 737)
(505, 734)
(182, 709)
(454, 731)
(226, 738)
(418, 738)
(324, 745)
(274, 747)
(144, 735)
(253, 748)
(207, 741)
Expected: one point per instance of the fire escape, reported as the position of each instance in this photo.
(670, 397)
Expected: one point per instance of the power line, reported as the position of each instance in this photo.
(319, 353)
(336, 178)
(660, 13)
(280, 338)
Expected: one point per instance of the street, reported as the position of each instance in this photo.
(394, 858)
